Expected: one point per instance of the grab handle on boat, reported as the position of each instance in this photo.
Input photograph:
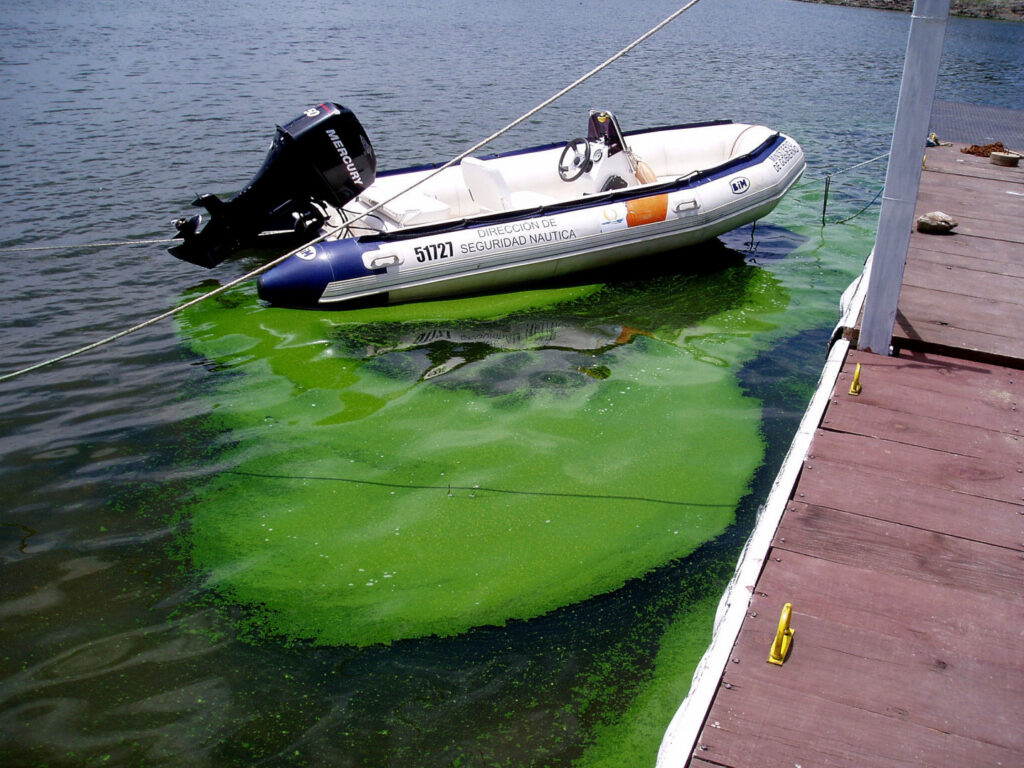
(687, 205)
(383, 260)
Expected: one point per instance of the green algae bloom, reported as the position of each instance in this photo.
(422, 470)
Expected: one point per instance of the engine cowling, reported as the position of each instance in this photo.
(324, 155)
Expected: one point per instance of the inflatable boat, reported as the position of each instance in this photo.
(490, 222)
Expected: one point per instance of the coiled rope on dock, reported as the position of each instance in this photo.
(324, 235)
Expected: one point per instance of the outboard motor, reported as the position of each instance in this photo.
(323, 155)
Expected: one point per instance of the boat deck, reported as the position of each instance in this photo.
(901, 547)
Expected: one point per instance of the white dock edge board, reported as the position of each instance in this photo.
(684, 730)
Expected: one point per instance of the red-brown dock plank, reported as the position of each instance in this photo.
(901, 552)
(971, 304)
(990, 216)
(948, 374)
(935, 321)
(974, 396)
(919, 680)
(988, 625)
(998, 233)
(967, 475)
(957, 163)
(967, 252)
(781, 727)
(966, 280)
(931, 431)
(872, 678)
(841, 486)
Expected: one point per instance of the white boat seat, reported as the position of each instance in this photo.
(489, 190)
(408, 209)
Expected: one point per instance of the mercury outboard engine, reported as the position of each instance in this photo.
(323, 155)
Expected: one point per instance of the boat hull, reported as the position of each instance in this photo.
(492, 252)
(607, 251)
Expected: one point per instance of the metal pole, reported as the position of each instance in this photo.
(903, 177)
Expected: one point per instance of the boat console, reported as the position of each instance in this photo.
(602, 161)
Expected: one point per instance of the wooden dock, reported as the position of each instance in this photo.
(901, 548)
(963, 294)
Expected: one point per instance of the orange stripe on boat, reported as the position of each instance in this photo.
(646, 210)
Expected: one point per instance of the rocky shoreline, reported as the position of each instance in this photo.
(999, 10)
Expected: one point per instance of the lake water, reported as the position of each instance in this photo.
(479, 532)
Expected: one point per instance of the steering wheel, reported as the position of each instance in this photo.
(580, 162)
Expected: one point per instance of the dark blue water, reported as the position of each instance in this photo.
(114, 117)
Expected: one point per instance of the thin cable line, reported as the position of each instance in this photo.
(476, 488)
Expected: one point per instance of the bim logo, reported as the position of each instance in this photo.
(739, 185)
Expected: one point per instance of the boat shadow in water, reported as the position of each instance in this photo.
(654, 298)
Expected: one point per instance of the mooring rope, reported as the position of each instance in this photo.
(323, 236)
(76, 246)
(808, 178)
(858, 213)
(858, 165)
(828, 184)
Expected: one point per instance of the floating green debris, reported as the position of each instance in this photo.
(419, 470)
